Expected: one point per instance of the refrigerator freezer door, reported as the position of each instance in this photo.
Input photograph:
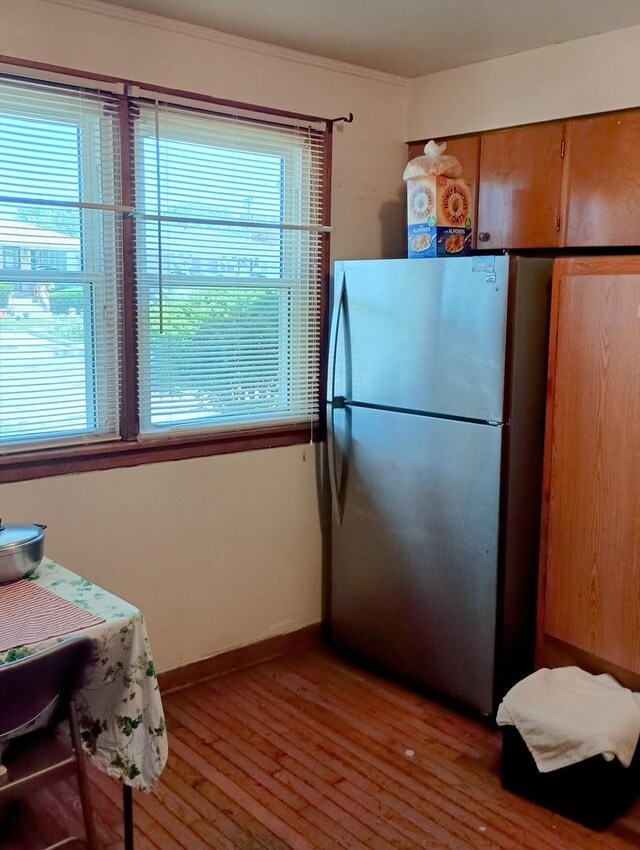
(414, 577)
(425, 335)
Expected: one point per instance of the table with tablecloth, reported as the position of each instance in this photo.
(119, 706)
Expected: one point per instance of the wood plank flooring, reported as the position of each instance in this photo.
(310, 753)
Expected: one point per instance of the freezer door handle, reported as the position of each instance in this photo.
(339, 311)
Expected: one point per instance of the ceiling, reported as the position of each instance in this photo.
(405, 37)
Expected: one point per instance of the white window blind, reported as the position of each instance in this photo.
(228, 244)
(59, 264)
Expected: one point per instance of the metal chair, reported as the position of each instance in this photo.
(36, 695)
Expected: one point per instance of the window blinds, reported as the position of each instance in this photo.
(228, 241)
(223, 289)
(60, 252)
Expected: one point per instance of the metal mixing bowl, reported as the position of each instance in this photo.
(21, 550)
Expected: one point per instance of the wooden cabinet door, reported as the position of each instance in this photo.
(467, 150)
(590, 564)
(520, 187)
(603, 186)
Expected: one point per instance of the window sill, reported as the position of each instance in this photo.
(70, 460)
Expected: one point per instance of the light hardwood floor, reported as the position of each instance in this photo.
(310, 753)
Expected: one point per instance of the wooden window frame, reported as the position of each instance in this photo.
(130, 450)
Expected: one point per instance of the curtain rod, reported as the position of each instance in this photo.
(347, 119)
(181, 93)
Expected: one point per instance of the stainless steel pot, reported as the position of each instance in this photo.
(21, 550)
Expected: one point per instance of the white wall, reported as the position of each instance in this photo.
(588, 75)
(223, 551)
(218, 552)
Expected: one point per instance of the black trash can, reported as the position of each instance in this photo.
(592, 792)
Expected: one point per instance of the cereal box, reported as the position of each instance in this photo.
(438, 216)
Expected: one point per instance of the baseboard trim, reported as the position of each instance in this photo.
(309, 637)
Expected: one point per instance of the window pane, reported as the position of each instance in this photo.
(45, 387)
(59, 266)
(228, 272)
(27, 142)
(195, 338)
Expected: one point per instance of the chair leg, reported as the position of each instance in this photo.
(127, 808)
(83, 782)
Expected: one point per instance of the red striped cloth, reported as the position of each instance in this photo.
(30, 613)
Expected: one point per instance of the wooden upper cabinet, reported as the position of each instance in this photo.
(520, 187)
(467, 150)
(573, 183)
(603, 180)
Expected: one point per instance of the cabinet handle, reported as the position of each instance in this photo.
(484, 236)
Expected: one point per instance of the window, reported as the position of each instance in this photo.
(10, 257)
(59, 282)
(228, 261)
(208, 325)
(55, 260)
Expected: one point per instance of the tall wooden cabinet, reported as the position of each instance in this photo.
(589, 599)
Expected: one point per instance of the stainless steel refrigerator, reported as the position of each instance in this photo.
(436, 390)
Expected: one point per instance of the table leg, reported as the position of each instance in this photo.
(127, 808)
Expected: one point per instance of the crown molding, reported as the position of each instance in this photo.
(237, 42)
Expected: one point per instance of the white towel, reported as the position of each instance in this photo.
(566, 715)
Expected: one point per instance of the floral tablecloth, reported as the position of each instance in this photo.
(120, 709)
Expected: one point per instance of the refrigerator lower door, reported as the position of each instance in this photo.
(415, 548)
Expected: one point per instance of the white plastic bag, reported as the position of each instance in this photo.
(434, 162)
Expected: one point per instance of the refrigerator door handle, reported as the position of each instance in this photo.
(336, 402)
(336, 506)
